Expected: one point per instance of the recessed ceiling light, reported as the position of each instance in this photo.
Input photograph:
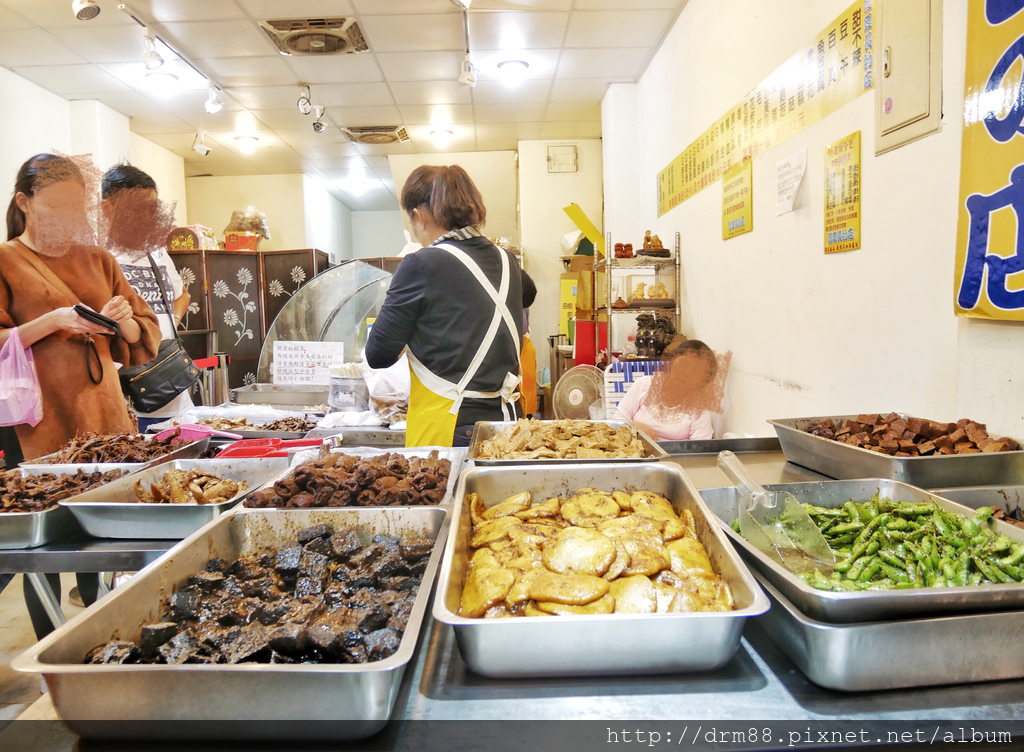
(85, 10)
(442, 136)
(513, 68)
(463, 4)
(160, 82)
(247, 144)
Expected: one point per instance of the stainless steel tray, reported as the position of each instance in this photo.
(488, 429)
(714, 446)
(837, 460)
(842, 608)
(183, 452)
(1007, 498)
(892, 654)
(113, 511)
(599, 644)
(91, 467)
(31, 529)
(361, 436)
(280, 394)
(85, 696)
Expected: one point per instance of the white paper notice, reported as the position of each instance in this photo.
(790, 173)
(306, 362)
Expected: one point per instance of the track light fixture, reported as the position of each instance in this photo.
(462, 4)
(85, 10)
(318, 112)
(468, 74)
(214, 103)
(198, 146)
(151, 59)
(305, 101)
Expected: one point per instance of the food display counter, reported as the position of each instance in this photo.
(758, 683)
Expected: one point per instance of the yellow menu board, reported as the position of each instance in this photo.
(833, 70)
(842, 194)
(737, 200)
(989, 277)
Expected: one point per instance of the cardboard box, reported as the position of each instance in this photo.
(585, 297)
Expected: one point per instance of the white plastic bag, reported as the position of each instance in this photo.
(389, 389)
(21, 400)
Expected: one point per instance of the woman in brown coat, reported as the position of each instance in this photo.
(47, 266)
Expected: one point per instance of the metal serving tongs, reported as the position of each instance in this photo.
(775, 522)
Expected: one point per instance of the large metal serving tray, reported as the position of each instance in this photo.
(599, 644)
(361, 436)
(94, 700)
(282, 395)
(113, 510)
(739, 445)
(1007, 498)
(488, 429)
(838, 460)
(183, 452)
(843, 608)
(893, 654)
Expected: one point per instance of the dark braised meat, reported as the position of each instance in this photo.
(121, 447)
(337, 480)
(912, 437)
(327, 597)
(37, 493)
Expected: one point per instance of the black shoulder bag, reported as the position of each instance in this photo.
(154, 384)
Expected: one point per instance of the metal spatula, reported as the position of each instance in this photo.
(776, 523)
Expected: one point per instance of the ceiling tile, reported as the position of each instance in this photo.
(67, 80)
(581, 89)
(365, 116)
(422, 133)
(188, 101)
(248, 71)
(502, 92)
(578, 111)
(479, 5)
(103, 44)
(128, 103)
(135, 75)
(612, 29)
(516, 31)
(30, 47)
(308, 142)
(270, 9)
(349, 95)
(225, 120)
(542, 63)
(49, 14)
(328, 151)
(266, 97)
(438, 114)
(570, 130)
(219, 39)
(147, 125)
(500, 144)
(628, 4)
(405, 147)
(173, 141)
(623, 63)
(401, 7)
(427, 146)
(186, 10)
(508, 113)
(497, 131)
(430, 33)
(421, 66)
(290, 119)
(352, 68)
(11, 20)
(220, 168)
(431, 92)
(334, 167)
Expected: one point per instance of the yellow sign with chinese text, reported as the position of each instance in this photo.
(737, 200)
(567, 304)
(842, 194)
(835, 69)
(989, 276)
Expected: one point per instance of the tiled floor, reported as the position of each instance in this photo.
(18, 691)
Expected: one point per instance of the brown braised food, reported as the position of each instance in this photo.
(189, 487)
(329, 597)
(531, 439)
(37, 493)
(591, 553)
(338, 480)
(293, 424)
(912, 437)
(122, 447)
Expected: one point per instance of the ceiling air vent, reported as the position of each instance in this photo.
(377, 134)
(315, 36)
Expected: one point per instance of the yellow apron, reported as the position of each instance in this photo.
(434, 402)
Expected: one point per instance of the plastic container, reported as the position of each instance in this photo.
(348, 394)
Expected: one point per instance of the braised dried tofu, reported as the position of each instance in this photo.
(476, 508)
(570, 589)
(579, 550)
(596, 552)
(532, 439)
(484, 588)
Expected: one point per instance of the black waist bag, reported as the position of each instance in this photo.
(154, 384)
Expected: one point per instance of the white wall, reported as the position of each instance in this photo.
(328, 221)
(280, 197)
(377, 233)
(542, 196)
(166, 168)
(867, 330)
(100, 131)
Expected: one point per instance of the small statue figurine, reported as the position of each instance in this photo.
(655, 242)
(638, 293)
(648, 240)
(660, 291)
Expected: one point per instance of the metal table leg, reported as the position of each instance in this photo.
(47, 598)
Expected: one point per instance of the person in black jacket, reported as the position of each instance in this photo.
(457, 305)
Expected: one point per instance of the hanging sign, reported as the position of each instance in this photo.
(306, 362)
(737, 200)
(831, 71)
(842, 194)
(788, 175)
(989, 277)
